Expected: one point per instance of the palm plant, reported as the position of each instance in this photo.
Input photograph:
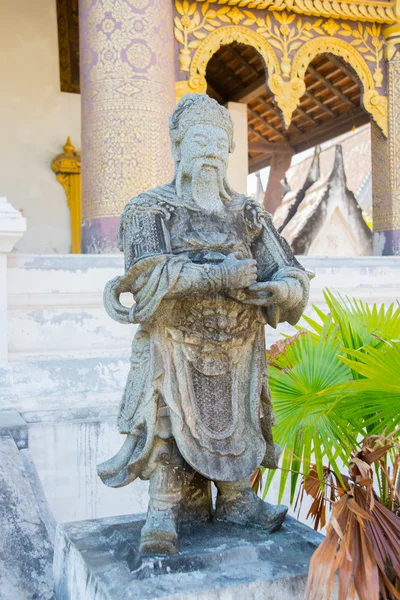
(362, 543)
(333, 385)
(306, 382)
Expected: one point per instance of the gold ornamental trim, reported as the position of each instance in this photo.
(67, 167)
(287, 45)
(364, 11)
(224, 36)
(373, 102)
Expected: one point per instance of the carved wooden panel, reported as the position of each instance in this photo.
(68, 44)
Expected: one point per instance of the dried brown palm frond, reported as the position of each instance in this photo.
(256, 480)
(362, 544)
(324, 494)
(376, 449)
(278, 350)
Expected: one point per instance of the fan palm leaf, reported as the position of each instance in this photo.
(307, 383)
(376, 397)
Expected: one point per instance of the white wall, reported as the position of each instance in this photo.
(64, 352)
(66, 454)
(68, 362)
(35, 120)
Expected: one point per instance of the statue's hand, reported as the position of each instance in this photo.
(264, 293)
(238, 273)
(269, 293)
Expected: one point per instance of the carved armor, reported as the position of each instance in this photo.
(198, 352)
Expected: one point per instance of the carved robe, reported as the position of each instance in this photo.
(198, 357)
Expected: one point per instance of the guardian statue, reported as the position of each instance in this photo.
(207, 271)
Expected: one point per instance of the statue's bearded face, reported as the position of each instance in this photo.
(204, 146)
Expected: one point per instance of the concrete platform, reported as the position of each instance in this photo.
(99, 560)
(26, 551)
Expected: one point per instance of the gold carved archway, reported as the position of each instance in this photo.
(287, 43)
(372, 101)
(286, 93)
(224, 36)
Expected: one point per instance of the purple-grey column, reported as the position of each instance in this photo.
(128, 91)
(386, 160)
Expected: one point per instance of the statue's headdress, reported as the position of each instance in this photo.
(194, 109)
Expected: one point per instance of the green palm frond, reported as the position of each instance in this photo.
(376, 397)
(321, 408)
(362, 324)
(307, 383)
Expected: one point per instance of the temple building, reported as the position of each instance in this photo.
(323, 217)
(106, 75)
(86, 91)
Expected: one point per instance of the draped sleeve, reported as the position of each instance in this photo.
(152, 272)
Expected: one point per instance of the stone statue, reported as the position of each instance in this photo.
(207, 271)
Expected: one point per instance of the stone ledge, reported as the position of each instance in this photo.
(13, 425)
(99, 559)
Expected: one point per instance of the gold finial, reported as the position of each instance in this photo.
(68, 147)
(67, 167)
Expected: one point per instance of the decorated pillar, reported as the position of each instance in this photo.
(128, 92)
(386, 158)
(275, 191)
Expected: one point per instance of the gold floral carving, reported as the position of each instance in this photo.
(336, 46)
(373, 102)
(284, 38)
(286, 43)
(209, 25)
(67, 167)
(227, 35)
(377, 106)
(369, 42)
(363, 10)
(330, 27)
(287, 94)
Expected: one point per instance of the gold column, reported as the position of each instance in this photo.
(67, 167)
(386, 156)
(128, 92)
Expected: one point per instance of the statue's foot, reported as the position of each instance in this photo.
(246, 508)
(159, 534)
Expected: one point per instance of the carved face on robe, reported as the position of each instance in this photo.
(203, 161)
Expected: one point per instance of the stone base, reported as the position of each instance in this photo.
(99, 560)
(25, 549)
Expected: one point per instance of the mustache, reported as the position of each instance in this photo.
(209, 161)
(194, 176)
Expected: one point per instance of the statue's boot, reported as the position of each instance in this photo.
(160, 532)
(237, 503)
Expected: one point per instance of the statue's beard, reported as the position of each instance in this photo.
(193, 182)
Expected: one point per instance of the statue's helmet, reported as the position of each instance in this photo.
(194, 109)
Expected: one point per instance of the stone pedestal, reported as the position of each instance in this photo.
(25, 547)
(99, 560)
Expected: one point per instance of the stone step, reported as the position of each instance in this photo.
(26, 551)
(99, 560)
